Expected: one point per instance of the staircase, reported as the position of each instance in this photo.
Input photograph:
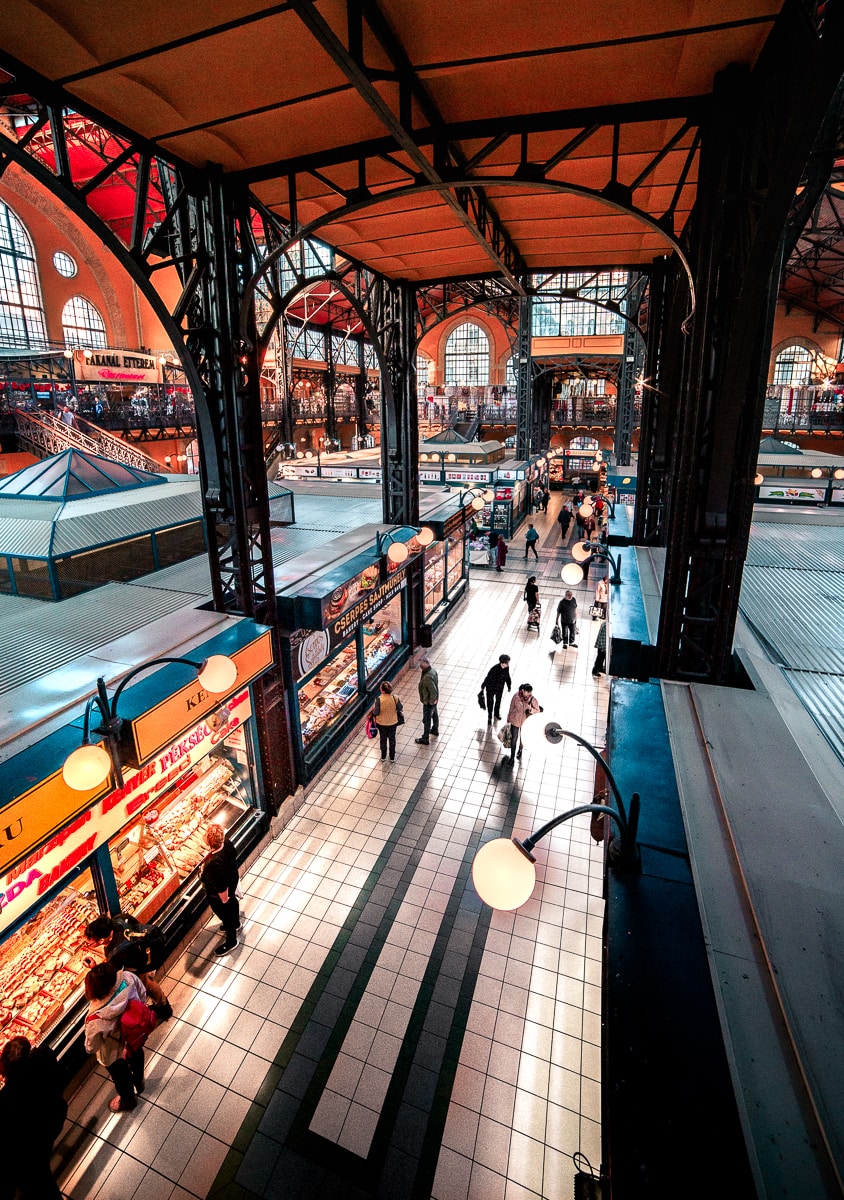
(47, 434)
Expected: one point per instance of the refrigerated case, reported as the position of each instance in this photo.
(445, 568)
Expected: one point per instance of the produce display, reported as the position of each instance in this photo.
(41, 965)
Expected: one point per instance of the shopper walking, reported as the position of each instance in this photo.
(429, 694)
(564, 517)
(602, 595)
(500, 552)
(388, 714)
(108, 992)
(521, 706)
(546, 496)
(531, 538)
(567, 619)
(135, 947)
(220, 879)
(32, 1113)
(601, 646)
(492, 688)
(531, 593)
(493, 545)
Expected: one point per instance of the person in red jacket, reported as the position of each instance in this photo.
(500, 553)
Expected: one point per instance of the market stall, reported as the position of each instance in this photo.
(69, 856)
(345, 627)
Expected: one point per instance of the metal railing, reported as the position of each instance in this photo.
(50, 433)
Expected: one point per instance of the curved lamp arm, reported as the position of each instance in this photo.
(600, 551)
(605, 766)
(626, 853)
(130, 675)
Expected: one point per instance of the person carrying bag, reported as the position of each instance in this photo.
(388, 714)
(110, 993)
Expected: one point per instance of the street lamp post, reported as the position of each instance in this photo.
(504, 871)
(90, 764)
(573, 572)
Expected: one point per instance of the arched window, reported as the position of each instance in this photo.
(467, 356)
(423, 365)
(793, 366)
(511, 377)
(82, 325)
(21, 311)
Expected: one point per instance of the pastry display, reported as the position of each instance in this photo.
(41, 965)
(167, 843)
(323, 698)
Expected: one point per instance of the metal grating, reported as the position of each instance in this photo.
(798, 614)
(822, 696)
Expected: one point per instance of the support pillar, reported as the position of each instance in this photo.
(631, 365)
(524, 373)
(755, 143)
(330, 387)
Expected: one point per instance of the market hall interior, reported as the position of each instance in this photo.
(289, 359)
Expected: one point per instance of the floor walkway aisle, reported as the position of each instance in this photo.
(380, 1032)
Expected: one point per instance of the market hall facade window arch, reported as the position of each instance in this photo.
(82, 325)
(467, 356)
(22, 324)
(793, 366)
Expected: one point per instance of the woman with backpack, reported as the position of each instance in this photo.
(115, 1034)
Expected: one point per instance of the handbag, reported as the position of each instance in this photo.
(399, 713)
(371, 727)
(556, 635)
(504, 736)
(482, 699)
(596, 610)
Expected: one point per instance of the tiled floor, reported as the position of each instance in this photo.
(380, 1031)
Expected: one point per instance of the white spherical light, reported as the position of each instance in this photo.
(838, 473)
(586, 510)
(87, 767)
(503, 875)
(572, 574)
(817, 473)
(218, 673)
(758, 478)
(425, 536)
(397, 552)
(542, 734)
(580, 551)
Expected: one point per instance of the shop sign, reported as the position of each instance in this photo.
(837, 496)
(434, 475)
(116, 366)
(146, 734)
(469, 476)
(782, 492)
(342, 623)
(36, 814)
(511, 473)
(369, 472)
(42, 868)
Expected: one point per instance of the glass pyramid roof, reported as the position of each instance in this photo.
(74, 475)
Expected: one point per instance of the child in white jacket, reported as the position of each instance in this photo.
(108, 992)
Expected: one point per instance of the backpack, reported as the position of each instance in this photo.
(144, 947)
(137, 1022)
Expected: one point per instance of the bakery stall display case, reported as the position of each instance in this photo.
(446, 563)
(434, 577)
(41, 967)
(327, 694)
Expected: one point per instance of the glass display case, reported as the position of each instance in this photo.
(434, 578)
(153, 856)
(41, 966)
(325, 696)
(382, 636)
(455, 560)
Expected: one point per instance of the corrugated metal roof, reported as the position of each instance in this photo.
(822, 695)
(803, 547)
(32, 646)
(192, 577)
(15, 604)
(798, 614)
(324, 512)
(24, 537)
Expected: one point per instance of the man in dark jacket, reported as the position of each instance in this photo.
(135, 947)
(32, 1113)
(567, 618)
(429, 694)
(493, 686)
(220, 879)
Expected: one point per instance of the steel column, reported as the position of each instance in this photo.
(631, 365)
(755, 145)
(395, 319)
(524, 375)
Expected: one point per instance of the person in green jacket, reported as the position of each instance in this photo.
(429, 694)
(601, 647)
